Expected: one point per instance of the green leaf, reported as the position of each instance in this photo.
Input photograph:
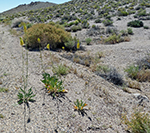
(20, 101)
(22, 90)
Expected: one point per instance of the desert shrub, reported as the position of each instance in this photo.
(142, 12)
(124, 32)
(111, 30)
(140, 71)
(85, 24)
(93, 26)
(71, 45)
(123, 13)
(135, 23)
(132, 71)
(107, 22)
(138, 123)
(110, 74)
(17, 21)
(113, 39)
(76, 28)
(97, 21)
(146, 27)
(88, 41)
(48, 34)
(60, 70)
(143, 76)
(130, 31)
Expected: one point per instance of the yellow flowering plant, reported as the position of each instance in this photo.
(53, 85)
(79, 105)
(48, 46)
(78, 45)
(21, 41)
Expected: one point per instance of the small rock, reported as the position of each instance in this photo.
(141, 98)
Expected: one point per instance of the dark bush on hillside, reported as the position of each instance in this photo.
(111, 75)
(97, 21)
(140, 71)
(107, 22)
(48, 34)
(135, 23)
(76, 28)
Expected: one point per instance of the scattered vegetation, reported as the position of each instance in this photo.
(60, 70)
(110, 74)
(88, 41)
(138, 123)
(1, 116)
(4, 89)
(140, 71)
(53, 85)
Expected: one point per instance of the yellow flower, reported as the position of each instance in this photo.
(78, 45)
(25, 28)
(63, 48)
(48, 46)
(38, 40)
(21, 41)
(75, 107)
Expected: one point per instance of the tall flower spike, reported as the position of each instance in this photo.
(25, 28)
(48, 46)
(78, 44)
(38, 40)
(21, 41)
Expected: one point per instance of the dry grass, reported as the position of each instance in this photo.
(134, 84)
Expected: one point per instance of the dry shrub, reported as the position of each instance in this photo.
(134, 84)
(48, 34)
(139, 122)
(143, 75)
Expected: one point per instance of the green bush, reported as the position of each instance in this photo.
(76, 28)
(107, 22)
(60, 70)
(138, 123)
(132, 71)
(97, 21)
(135, 23)
(48, 34)
(88, 41)
(130, 31)
(113, 39)
(146, 27)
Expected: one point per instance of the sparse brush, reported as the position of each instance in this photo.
(88, 41)
(132, 71)
(60, 69)
(4, 89)
(138, 123)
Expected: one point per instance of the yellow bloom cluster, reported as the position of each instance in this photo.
(48, 46)
(38, 40)
(25, 28)
(78, 45)
(21, 41)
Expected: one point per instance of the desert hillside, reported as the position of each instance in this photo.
(78, 67)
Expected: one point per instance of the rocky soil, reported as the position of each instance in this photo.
(106, 102)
